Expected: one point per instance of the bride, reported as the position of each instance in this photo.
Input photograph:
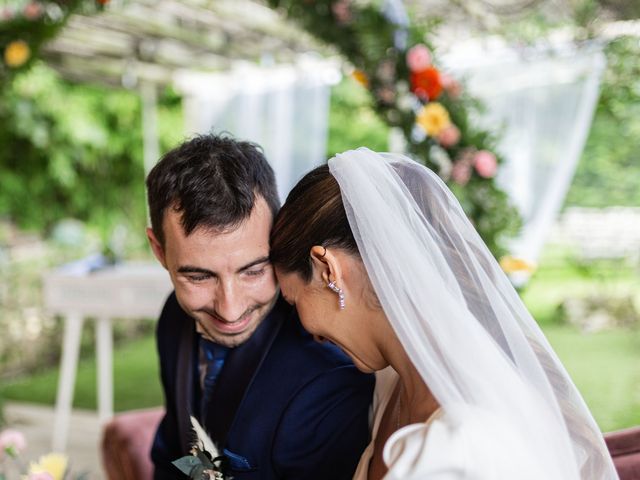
(378, 257)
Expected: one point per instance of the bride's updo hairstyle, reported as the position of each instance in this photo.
(313, 214)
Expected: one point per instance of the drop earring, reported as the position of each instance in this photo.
(332, 286)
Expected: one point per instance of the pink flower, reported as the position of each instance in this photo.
(485, 163)
(418, 58)
(386, 95)
(449, 136)
(386, 71)
(461, 172)
(6, 14)
(12, 442)
(40, 476)
(342, 11)
(450, 85)
(33, 10)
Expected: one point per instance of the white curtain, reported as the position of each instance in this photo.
(542, 103)
(284, 108)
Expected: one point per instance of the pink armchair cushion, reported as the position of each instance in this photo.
(126, 443)
(624, 446)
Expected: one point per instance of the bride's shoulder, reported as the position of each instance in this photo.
(463, 442)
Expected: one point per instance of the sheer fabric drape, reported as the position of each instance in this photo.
(284, 108)
(541, 102)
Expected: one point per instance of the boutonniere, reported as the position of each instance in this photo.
(205, 462)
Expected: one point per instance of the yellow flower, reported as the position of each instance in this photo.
(515, 265)
(361, 78)
(17, 53)
(433, 118)
(55, 464)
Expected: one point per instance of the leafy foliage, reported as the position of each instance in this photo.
(73, 151)
(69, 151)
(348, 101)
(609, 170)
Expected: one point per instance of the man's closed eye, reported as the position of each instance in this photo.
(198, 278)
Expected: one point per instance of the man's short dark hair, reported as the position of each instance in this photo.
(212, 180)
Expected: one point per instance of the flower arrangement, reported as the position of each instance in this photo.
(205, 462)
(52, 466)
(395, 63)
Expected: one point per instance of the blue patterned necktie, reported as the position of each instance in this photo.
(213, 356)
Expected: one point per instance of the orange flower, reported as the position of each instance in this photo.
(361, 77)
(17, 53)
(426, 83)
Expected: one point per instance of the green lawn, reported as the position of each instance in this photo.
(605, 366)
(136, 380)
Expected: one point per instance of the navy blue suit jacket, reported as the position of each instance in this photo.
(284, 406)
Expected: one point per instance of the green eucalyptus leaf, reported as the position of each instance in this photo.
(205, 460)
(187, 464)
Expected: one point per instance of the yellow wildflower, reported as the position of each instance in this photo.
(55, 464)
(361, 78)
(516, 265)
(433, 118)
(17, 53)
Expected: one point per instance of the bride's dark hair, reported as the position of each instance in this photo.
(313, 214)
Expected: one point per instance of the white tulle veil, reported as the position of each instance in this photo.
(459, 319)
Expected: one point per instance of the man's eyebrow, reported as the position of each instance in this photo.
(255, 262)
(206, 271)
(190, 269)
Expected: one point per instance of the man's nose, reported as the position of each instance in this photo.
(229, 304)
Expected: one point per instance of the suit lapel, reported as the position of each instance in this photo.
(240, 367)
(184, 385)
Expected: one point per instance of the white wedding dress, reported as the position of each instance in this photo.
(477, 446)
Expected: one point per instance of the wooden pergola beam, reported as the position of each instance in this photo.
(151, 39)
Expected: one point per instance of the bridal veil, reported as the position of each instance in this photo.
(461, 322)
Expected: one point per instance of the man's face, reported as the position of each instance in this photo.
(222, 280)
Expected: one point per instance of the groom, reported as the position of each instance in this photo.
(232, 352)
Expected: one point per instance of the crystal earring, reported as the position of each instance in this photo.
(338, 290)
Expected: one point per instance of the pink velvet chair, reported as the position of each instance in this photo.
(127, 438)
(126, 443)
(624, 446)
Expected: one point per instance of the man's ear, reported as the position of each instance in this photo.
(325, 264)
(156, 246)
